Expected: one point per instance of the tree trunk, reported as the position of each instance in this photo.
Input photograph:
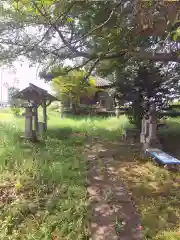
(74, 109)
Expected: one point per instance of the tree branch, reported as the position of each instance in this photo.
(92, 68)
(99, 26)
(73, 49)
(80, 66)
(165, 57)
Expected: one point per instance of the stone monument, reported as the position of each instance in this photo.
(28, 122)
(35, 97)
(148, 136)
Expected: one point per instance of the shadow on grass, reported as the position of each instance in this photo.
(170, 138)
(106, 128)
(52, 197)
(154, 191)
(65, 133)
(62, 133)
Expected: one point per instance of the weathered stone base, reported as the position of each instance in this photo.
(152, 143)
(31, 137)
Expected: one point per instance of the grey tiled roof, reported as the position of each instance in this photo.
(101, 82)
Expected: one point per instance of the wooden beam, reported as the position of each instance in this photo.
(49, 103)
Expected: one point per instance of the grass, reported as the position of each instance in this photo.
(156, 195)
(104, 128)
(42, 186)
(154, 190)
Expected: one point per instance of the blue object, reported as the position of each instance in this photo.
(162, 157)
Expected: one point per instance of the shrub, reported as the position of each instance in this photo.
(15, 111)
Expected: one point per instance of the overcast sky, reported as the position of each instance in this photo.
(21, 77)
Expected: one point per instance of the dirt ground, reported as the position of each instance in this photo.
(112, 214)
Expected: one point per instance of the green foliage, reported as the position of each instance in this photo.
(141, 85)
(52, 201)
(15, 110)
(55, 106)
(175, 33)
(14, 103)
(11, 92)
(111, 30)
(102, 34)
(72, 86)
(52, 197)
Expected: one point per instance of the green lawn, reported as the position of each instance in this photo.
(42, 185)
(156, 194)
(155, 191)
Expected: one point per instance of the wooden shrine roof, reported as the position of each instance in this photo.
(34, 93)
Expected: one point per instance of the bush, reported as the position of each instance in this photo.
(55, 106)
(15, 111)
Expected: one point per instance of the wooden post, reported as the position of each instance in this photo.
(44, 114)
(61, 108)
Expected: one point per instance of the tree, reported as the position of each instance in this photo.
(11, 92)
(90, 33)
(14, 103)
(63, 30)
(141, 85)
(71, 86)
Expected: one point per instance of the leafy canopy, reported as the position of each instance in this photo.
(141, 85)
(72, 86)
(51, 31)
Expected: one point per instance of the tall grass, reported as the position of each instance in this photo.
(51, 197)
(154, 190)
(105, 128)
(42, 185)
(42, 189)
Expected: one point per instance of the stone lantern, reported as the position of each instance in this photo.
(34, 97)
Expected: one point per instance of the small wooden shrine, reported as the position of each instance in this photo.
(34, 97)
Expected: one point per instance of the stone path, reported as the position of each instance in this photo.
(112, 215)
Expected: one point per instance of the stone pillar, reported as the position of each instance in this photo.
(117, 111)
(152, 140)
(35, 117)
(143, 131)
(147, 123)
(28, 133)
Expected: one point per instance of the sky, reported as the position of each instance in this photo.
(21, 77)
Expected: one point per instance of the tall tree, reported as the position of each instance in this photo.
(142, 84)
(14, 103)
(71, 87)
(11, 92)
(50, 31)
